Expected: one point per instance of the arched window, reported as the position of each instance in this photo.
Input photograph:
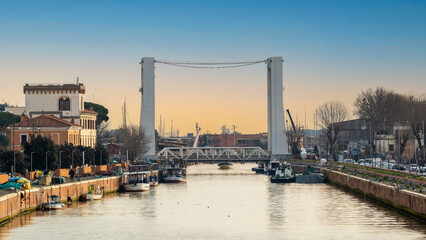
(64, 104)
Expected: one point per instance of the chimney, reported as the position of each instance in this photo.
(24, 118)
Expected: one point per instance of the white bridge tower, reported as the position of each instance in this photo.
(277, 139)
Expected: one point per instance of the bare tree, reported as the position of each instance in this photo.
(380, 105)
(329, 114)
(134, 140)
(102, 130)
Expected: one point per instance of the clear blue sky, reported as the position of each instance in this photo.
(329, 46)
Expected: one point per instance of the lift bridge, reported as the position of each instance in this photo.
(214, 154)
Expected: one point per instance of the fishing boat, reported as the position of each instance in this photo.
(95, 193)
(260, 168)
(272, 166)
(53, 204)
(174, 175)
(283, 174)
(153, 181)
(224, 165)
(136, 181)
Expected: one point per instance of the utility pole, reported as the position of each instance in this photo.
(83, 157)
(31, 177)
(234, 127)
(399, 145)
(424, 157)
(60, 160)
(46, 158)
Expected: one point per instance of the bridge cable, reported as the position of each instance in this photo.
(211, 65)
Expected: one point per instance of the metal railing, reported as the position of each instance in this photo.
(213, 153)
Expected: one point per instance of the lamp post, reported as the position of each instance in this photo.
(83, 157)
(14, 163)
(32, 165)
(60, 160)
(72, 158)
(46, 158)
(100, 157)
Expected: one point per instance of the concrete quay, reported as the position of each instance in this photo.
(14, 204)
(407, 202)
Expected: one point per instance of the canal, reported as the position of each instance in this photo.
(221, 204)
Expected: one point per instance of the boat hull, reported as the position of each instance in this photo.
(283, 180)
(94, 196)
(310, 178)
(136, 187)
(55, 206)
(174, 179)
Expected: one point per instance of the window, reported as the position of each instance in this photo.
(64, 104)
(391, 148)
(24, 138)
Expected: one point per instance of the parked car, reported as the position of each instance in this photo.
(414, 168)
(399, 167)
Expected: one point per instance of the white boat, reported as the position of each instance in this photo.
(136, 182)
(53, 204)
(283, 174)
(153, 181)
(95, 193)
(272, 166)
(174, 175)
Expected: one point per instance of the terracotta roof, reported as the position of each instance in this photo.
(43, 121)
(89, 111)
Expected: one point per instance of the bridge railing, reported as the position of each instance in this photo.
(213, 153)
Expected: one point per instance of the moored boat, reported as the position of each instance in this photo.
(136, 182)
(95, 193)
(310, 178)
(272, 166)
(53, 204)
(283, 174)
(224, 165)
(174, 175)
(153, 181)
(260, 168)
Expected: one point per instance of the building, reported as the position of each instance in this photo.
(64, 101)
(15, 110)
(237, 140)
(354, 135)
(59, 130)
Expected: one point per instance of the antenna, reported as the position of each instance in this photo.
(77, 80)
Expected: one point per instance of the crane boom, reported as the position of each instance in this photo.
(295, 130)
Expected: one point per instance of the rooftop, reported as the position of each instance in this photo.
(43, 121)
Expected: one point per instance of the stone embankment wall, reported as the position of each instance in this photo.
(411, 203)
(13, 204)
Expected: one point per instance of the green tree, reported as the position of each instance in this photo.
(101, 110)
(7, 118)
(7, 161)
(40, 145)
(3, 141)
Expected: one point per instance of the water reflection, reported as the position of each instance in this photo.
(231, 204)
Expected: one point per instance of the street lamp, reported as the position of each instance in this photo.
(72, 158)
(32, 165)
(83, 157)
(14, 163)
(46, 158)
(60, 160)
(100, 157)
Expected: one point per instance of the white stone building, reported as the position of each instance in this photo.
(65, 101)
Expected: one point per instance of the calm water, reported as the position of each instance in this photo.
(223, 204)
